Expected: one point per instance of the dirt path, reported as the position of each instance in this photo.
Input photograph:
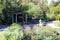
(52, 25)
(3, 26)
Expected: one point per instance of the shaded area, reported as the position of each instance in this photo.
(4, 26)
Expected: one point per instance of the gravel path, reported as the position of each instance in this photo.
(52, 25)
(3, 26)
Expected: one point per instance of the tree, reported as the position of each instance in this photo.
(44, 8)
(35, 11)
(8, 7)
(55, 2)
(1, 8)
(54, 12)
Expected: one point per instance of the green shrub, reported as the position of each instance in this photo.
(44, 33)
(47, 33)
(14, 25)
(35, 11)
(12, 34)
(58, 17)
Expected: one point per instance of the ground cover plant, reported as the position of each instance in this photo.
(44, 33)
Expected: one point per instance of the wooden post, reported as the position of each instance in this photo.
(12, 18)
(26, 18)
(16, 18)
(23, 19)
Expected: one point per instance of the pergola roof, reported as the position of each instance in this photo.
(19, 12)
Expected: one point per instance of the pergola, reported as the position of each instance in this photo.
(24, 17)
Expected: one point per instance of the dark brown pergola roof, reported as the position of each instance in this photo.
(20, 13)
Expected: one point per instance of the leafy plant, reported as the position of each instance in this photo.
(47, 33)
(14, 32)
(14, 25)
(35, 12)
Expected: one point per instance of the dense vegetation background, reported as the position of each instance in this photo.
(35, 8)
(38, 9)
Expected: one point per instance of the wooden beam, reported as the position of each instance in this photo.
(12, 18)
(16, 18)
(26, 18)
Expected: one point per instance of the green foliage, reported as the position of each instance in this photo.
(58, 17)
(1, 15)
(54, 12)
(1, 8)
(44, 33)
(47, 33)
(14, 25)
(35, 11)
(12, 33)
(7, 7)
(10, 6)
(51, 12)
